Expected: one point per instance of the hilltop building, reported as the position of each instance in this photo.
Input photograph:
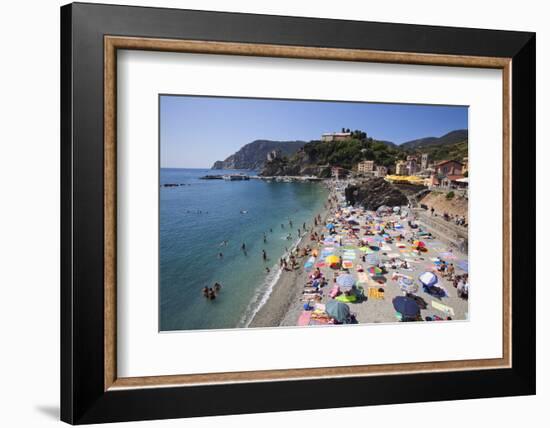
(336, 136)
(365, 167)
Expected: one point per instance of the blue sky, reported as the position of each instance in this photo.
(197, 131)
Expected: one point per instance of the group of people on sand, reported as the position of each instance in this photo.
(460, 282)
(211, 293)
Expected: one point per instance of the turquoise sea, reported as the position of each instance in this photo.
(196, 219)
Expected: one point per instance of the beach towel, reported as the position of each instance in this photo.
(346, 299)
(374, 293)
(346, 264)
(334, 291)
(319, 321)
(320, 265)
(443, 308)
(305, 318)
(309, 264)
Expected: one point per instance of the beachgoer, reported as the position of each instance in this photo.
(220, 255)
(217, 287)
(264, 255)
(205, 291)
(243, 247)
(267, 270)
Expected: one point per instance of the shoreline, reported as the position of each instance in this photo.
(277, 309)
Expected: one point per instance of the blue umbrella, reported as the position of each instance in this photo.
(330, 226)
(428, 279)
(406, 306)
(345, 280)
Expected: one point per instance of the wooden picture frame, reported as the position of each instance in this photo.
(91, 390)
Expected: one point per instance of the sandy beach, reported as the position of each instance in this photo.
(285, 305)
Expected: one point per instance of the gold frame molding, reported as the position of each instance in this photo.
(113, 43)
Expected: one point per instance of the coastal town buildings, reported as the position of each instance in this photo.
(365, 167)
(454, 182)
(401, 168)
(464, 165)
(381, 171)
(336, 136)
(424, 162)
(338, 172)
(412, 165)
(448, 167)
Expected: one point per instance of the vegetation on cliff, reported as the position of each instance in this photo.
(316, 157)
(254, 155)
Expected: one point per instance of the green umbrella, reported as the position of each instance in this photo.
(337, 310)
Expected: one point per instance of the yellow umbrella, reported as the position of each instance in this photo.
(332, 260)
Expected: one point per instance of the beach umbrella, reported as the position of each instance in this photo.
(406, 306)
(330, 226)
(345, 280)
(428, 279)
(419, 244)
(374, 270)
(332, 260)
(337, 310)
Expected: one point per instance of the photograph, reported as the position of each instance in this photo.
(300, 213)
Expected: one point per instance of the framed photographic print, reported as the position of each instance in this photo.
(273, 213)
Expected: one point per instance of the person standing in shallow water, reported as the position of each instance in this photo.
(264, 255)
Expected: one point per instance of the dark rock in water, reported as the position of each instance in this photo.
(375, 192)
